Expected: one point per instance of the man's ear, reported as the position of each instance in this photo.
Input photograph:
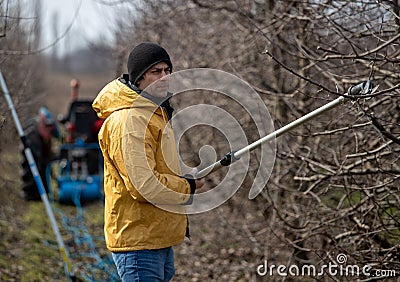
(139, 81)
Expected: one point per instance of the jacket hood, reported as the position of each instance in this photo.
(113, 97)
(117, 95)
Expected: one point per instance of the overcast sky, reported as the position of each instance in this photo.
(94, 22)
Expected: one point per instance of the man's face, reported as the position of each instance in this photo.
(156, 80)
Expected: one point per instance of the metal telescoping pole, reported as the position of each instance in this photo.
(289, 127)
(38, 181)
(359, 89)
(236, 155)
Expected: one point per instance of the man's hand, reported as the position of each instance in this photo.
(199, 182)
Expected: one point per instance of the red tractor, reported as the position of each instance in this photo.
(81, 120)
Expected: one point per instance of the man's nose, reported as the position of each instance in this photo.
(164, 75)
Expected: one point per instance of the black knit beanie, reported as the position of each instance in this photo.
(143, 57)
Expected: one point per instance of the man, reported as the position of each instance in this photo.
(39, 132)
(141, 168)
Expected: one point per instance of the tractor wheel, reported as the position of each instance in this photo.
(35, 142)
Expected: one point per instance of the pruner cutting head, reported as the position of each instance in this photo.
(364, 88)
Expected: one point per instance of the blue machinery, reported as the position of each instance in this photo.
(79, 173)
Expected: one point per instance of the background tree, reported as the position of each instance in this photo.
(20, 36)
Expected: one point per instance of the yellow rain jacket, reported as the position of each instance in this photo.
(141, 172)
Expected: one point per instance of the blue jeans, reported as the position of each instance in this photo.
(145, 265)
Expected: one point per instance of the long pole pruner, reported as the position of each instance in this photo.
(36, 176)
(363, 88)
